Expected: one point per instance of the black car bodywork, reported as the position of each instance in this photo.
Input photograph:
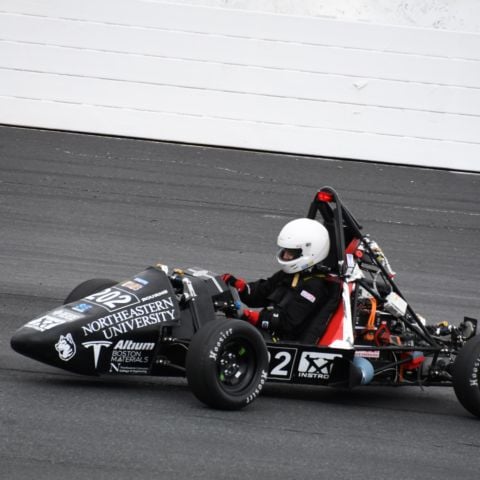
(182, 323)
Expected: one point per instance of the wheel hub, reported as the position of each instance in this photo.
(229, 365)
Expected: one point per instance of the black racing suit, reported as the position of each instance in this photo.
(289, 302)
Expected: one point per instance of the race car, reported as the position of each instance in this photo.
(184, 322)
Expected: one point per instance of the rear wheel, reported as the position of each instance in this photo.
(227, 364)
(89, 287)
(466, 376)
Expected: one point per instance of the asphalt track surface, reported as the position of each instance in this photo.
(74, 207)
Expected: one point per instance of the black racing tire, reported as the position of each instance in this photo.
(89, 287)
(227, 364)
(466, 376)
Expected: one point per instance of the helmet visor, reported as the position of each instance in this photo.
(289, 254)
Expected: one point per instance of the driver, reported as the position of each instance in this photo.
(291, 297)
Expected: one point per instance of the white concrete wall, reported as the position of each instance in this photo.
(243, 79)
(458, 15)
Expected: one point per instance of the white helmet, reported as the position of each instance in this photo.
(303, 243)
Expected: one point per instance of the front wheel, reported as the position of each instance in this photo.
(466, 376)
(227, 364)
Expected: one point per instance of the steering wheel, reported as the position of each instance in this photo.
(239, 305)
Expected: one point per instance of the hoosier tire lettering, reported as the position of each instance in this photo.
(466, 372)
(259, 388)
(222, 337)
(474, 376)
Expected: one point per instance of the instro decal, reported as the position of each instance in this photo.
(316, 365)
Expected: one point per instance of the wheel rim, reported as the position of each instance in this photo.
(236, 366)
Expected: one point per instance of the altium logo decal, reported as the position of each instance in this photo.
(131, 345)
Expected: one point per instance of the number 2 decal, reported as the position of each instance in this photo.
(280, 368)
(281, 362)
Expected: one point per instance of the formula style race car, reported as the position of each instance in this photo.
(183, 323)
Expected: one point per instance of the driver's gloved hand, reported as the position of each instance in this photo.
(251, 316)
(237, 283)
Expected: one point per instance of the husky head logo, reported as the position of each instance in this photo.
(66, 347)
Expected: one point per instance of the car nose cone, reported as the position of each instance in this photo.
(58, 347)
(33, 344)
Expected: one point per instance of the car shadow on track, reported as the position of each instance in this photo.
(174, 390)
(414, 399)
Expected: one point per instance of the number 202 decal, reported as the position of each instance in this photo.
(112, 299)
(281, 362)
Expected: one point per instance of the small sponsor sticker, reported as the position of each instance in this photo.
(154, 295)
(131, 285)
(45, 323)
(119, 368)
(66, 315)
(141, 280)
(82, 307)
(308, 296)
(368, 353)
